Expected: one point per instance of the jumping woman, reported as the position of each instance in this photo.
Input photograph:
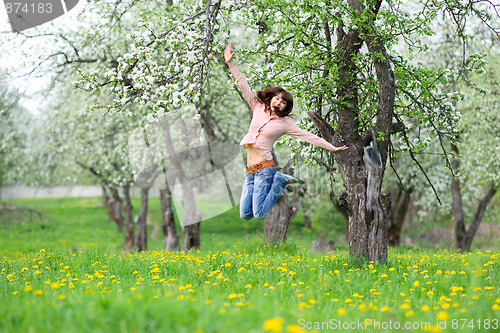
(271, 108)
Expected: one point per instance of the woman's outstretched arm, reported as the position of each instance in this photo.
(303, 135)
(240, 79)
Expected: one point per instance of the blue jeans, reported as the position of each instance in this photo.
(260, 192)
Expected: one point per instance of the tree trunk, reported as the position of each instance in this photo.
(397, 215)
(464, 236)
(341, 205)
(366, 216)
(141, 238)
(105, 197)
(366, 219)
(478, 217)
(115, 208)
(191, 235)
(192, 221)
(129, 224)
(307, 222)
(170, 237)
(377, 223)
(278, 220)
(322, 246)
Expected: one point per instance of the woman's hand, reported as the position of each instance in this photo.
(339, 149)
(228, 55)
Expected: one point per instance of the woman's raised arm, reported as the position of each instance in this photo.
(250, 97)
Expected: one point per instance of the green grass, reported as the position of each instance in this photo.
(68, 274)
(82, 223)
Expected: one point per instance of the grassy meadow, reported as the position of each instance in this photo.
(67, 273)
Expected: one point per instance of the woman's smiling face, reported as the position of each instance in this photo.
(277, 103)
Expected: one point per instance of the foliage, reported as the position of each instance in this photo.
(475, 129)
(144, 59)
(16, 133)
(6, 131)
(481, 132)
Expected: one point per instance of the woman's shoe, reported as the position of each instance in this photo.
(292, 179)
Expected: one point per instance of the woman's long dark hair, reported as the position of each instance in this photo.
(267, 95)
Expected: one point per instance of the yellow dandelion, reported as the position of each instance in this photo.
(443, 315)
(434, 329)
(300, 295)
(416, 284)
(425, 308)
(28, 288)
(312, 301)
(232, 296)
(341, 311)
(405, 306)
(294, 329)
(273, 324)
(384, 309)
(495, 307)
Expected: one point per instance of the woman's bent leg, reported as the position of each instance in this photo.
(246, 197)
(268, 187)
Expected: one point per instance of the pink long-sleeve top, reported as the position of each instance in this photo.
(265, 129)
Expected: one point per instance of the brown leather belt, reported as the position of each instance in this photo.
(259, 166)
